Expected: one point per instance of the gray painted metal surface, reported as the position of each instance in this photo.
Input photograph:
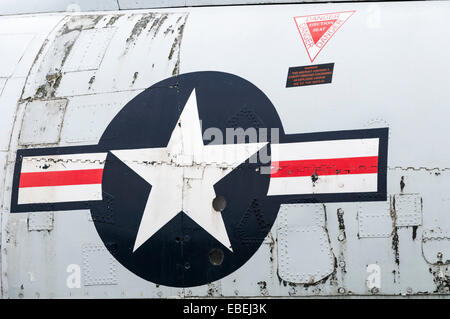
(57, 94)
(9, 7)
(22, 7)
(144, 4)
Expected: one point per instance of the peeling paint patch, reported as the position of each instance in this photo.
(49, 88)
(176, 47)
(48, 67)
(395, 246)
(314, 178)
(110, 48)
(140, 25)
(135, 75)
(263, 288)
(271, 247)
(441, 279)
(91, 81)
(158, 24)
(176, 69)
(214, 289)
(340, 215)
(394, 232)
(113, 20)
(414, 232)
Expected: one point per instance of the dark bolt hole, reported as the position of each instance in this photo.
(216, 256)
(219, 203)
(177, 239)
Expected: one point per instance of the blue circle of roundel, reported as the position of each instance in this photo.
(181, 253)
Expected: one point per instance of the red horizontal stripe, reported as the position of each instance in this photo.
(331, 166)
(61, 178)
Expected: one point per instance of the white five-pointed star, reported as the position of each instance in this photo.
(183, 175)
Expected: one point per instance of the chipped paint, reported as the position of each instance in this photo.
(263, 288)
(158, 24)
(48, 78)
(91, 81)
(402, 183)
(176, 47)
(135, 75)
(113, 20)
(48, 89)
(340, 215)
(214, 289)
(140, 25)
(49, 67)
(314, 178)
(395, 237)
(441, 278)
(414, 232)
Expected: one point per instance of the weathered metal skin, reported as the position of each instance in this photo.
(67, 75)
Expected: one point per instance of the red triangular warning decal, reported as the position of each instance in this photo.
(317, 30)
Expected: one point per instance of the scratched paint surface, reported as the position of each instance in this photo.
(126, 52)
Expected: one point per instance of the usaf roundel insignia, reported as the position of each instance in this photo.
(187, 179)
